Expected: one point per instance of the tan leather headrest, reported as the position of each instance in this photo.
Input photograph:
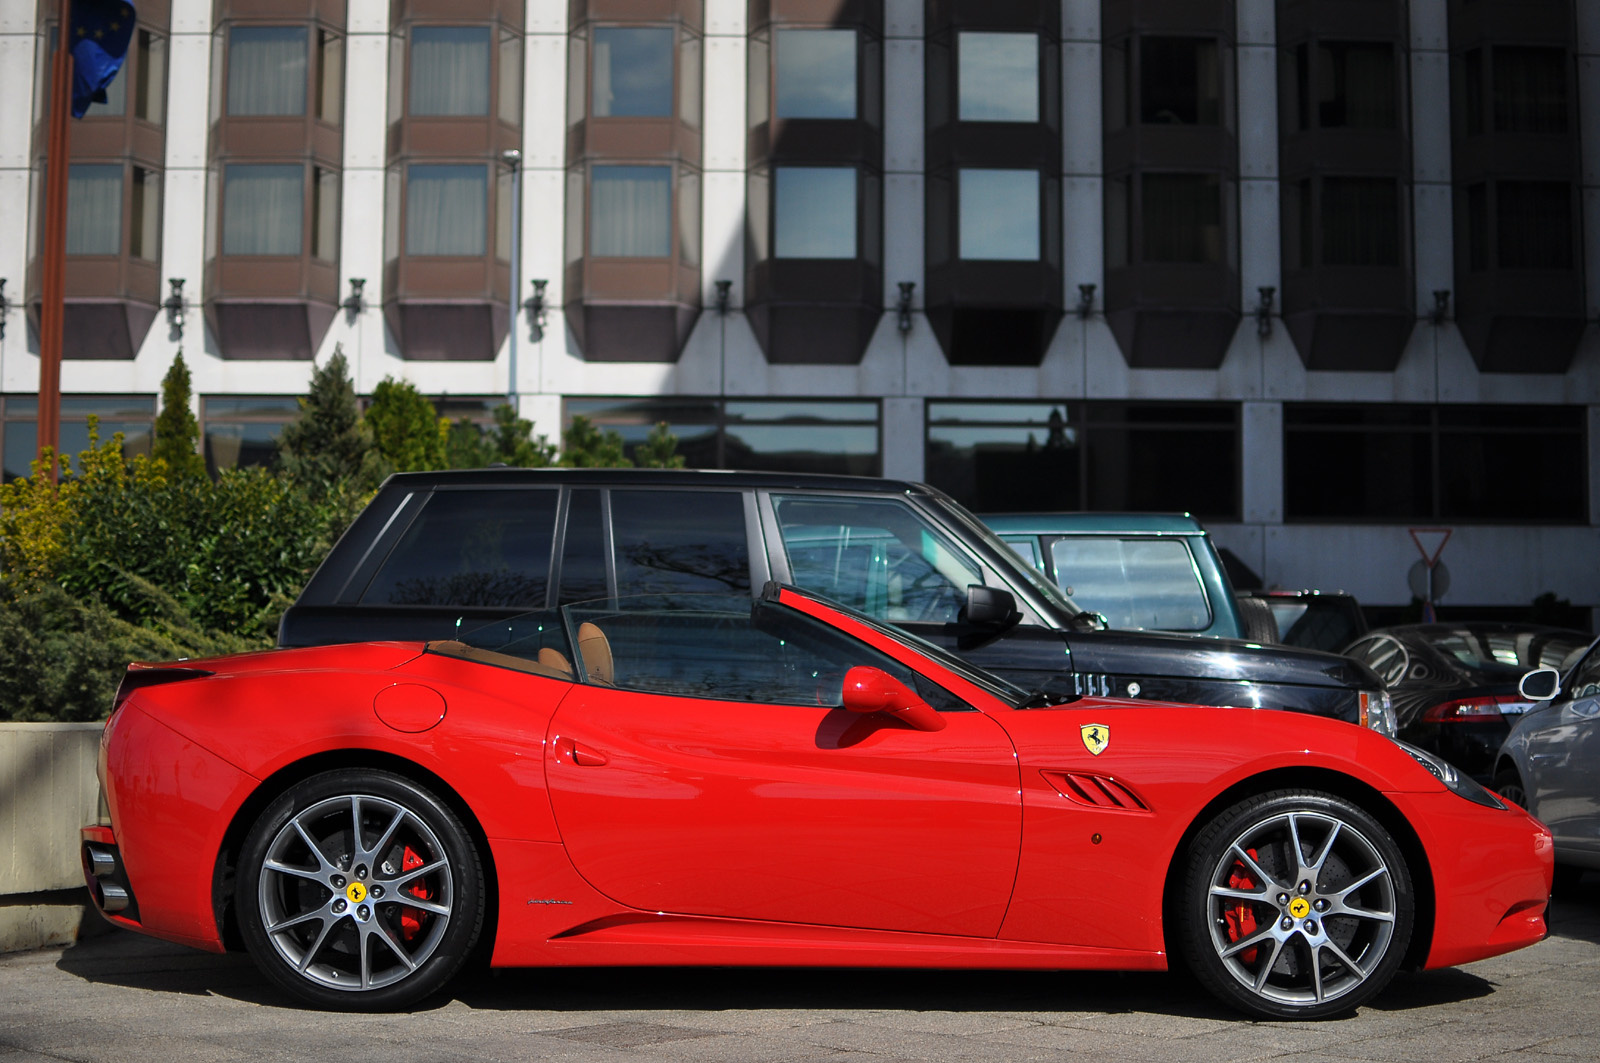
(595, 649)
(555, 660)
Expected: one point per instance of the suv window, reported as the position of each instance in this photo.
(472, 547)
(1148, 583)
(671, 542)
(1384, 655)
(880, 557)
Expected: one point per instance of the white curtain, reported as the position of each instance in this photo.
(450, 70)
(446, 210)
(267, 70)
(94, 210)
(263, 210)
(631, 215)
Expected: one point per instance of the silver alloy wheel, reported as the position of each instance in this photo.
(1301, 908)
(339, 902)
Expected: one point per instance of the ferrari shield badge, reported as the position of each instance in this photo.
(1096, 736)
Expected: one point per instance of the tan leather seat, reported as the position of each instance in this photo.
(556, 660)
(595, 650)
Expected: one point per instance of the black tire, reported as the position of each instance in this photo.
(1260, 626)
(372, 926)
(1306, 941)
(1508, 784)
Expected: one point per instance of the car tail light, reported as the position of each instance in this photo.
(1468, 710)
(139, 676)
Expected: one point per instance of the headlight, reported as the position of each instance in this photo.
(1453, 780)
(1377, 712)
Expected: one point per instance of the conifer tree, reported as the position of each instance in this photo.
(327, 444)
(659, 449)
(406, 430)
(177, 431)
(583, 446)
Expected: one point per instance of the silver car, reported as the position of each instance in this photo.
(1550, 762)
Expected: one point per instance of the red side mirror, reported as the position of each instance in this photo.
(874, 690)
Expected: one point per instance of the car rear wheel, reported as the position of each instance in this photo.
(359, 890)
(1508, 784)
(1296, 904)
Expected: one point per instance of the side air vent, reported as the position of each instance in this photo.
(1096, 791)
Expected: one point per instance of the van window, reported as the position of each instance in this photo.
(1135, 583)
(476, 547)
(880, 557)
(670, 542)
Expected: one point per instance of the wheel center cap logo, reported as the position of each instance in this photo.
(1299, 907)
(357, 892)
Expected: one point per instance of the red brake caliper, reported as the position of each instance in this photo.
(1241, 917)
(411, 918)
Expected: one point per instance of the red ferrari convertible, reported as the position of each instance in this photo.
(719, 780)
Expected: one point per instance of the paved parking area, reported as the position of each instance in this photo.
(122, 998)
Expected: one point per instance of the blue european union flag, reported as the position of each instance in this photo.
(101, 30)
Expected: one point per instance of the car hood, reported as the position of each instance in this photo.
(1156, 654)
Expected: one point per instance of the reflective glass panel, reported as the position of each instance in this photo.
(814, 212)
(267, 70)
(816, 75)
(446, 210)
(632, 72)
(630, 214)
(94, 209)
(671, 541)
(473, 547)
(263, 209)
(1180, 81)
(1136, 583)
(998, 77)
(450, 70)
(1182, 217)
(1000, 215)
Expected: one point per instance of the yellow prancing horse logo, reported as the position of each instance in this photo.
(1299, 907)
(357, 893)
(1096, 736)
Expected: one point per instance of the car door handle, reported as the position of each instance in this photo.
(580, 755)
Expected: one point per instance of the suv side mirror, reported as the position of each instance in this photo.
(990, 606)
(874, 690)
(1541, 684)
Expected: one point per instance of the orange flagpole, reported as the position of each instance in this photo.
(52, 314)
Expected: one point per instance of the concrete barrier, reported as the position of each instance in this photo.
(48, 790)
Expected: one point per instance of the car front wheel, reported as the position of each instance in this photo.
(359, 890)
(1296, 904)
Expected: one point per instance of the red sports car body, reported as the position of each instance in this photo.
(776, 782)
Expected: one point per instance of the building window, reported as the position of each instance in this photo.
(144, 232)
(263, 209)
(446, 209)
(1353, 85)
(450, 70)
(1182, 217)
(239, 432)
(94, 209)
(998, 77)
(771, 435)
(330, 77)
(1041, 456)
(814, 212)
(1180, 81)
(1530, 90)
(132, 415)
(1397, 462)
(632, 72)
(267, 70)
(1360, 221)
(999, 215)
(1533, 224)
(324, 214)
(630, 212)
(816, 73)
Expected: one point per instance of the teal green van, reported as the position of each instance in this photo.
(1155, 571)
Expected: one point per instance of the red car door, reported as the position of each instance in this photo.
(792, 813)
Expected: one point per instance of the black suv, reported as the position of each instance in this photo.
(436, 554)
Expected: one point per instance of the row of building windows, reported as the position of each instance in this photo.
(1342, 462)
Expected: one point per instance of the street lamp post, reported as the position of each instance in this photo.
(513, 158)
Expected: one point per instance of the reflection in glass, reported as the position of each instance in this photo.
(1135, 583)
(999, 215)
(998, 77)
(144, 234)
(21, 446)
(816, 75)
(94, 209)
(814, 212)
(1356, 86)
(151, 95)
(450, 70)
(267, 70)
(632, 72)
(471, 548)
(446, 209)
(263, 209)
(671, 541)
(631, 212)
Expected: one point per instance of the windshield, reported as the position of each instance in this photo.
(1015, 565)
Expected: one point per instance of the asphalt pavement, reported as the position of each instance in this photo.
(124, 998)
